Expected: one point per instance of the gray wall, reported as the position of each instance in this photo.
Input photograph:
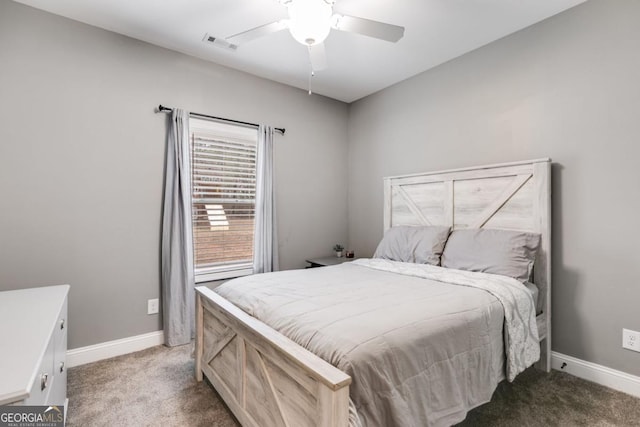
(81, 163)
(567, 88)
(81, 159)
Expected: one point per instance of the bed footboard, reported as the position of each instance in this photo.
(265, 378)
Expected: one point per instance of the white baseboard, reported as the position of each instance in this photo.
(599, 374)
(105, 350)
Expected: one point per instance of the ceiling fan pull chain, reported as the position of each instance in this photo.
(311, 73)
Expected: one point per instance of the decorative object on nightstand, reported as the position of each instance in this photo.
(349, 254)
(338, 248)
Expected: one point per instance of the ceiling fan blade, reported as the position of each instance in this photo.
(318, 57)
(254, 33)
(367, 27)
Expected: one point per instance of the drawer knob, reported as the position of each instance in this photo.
(62, 324)
(61, 367)
(44, 379)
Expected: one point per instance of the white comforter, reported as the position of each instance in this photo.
(422, 344)
(522, 345)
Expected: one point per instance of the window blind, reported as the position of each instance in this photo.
(223, 169)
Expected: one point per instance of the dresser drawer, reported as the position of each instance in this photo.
(58, 393)
(60, 339)
(43, 379)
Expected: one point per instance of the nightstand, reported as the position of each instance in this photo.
(328, 260)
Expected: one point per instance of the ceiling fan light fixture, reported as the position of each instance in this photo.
(309, 20)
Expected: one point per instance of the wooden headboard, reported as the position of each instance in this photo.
(512, 196)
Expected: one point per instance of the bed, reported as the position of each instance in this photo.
(267, 378)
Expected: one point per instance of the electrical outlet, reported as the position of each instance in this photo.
(631, 340)
(152, 306)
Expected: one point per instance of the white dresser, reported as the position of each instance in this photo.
(33, 343)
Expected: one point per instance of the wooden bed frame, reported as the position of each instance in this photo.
(268, 380)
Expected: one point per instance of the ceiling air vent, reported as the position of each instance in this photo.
(218, 42)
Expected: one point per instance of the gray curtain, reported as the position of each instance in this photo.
(265, 244)
(178, 295)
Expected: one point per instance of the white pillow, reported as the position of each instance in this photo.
(505, 252)
(420, 245)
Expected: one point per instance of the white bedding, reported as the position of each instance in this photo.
(422, 344)
(535, 295)
(522, 345)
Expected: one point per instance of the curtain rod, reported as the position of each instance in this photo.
(163, 109)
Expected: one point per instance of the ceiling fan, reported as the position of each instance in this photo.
(310, 22)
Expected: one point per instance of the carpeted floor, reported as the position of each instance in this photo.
(153, 387)
(156, 387)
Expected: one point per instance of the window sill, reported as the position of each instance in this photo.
(222, 275)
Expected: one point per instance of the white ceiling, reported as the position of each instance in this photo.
(436, 31)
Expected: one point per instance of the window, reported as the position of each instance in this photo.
(223, 170)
